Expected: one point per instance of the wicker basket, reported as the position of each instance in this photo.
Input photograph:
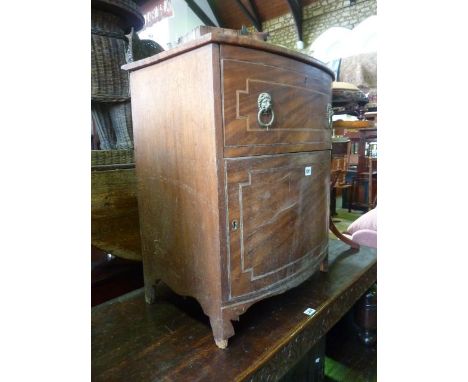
(109, 83)
(127, 10)
(110, 91)
(111, 157)
(113, 124)
(110, 20)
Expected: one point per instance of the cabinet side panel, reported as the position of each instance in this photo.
(222, 187)
(175, 155)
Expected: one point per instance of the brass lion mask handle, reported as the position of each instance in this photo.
(265, 107)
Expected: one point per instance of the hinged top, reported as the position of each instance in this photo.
(218, 36)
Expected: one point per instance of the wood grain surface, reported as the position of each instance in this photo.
(219, 37)
(300, 95)
(282, 216)
(172, 340)
(114, 213)
(176, 160)
(182, 108)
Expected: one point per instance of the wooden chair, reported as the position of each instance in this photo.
(366, 173)
(335, 174)
(341, 151)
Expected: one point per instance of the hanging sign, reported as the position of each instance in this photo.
(156, 10)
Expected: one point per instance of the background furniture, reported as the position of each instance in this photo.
(341, 152)
(363, 193)
(115, 226)
(361, 70)
(233, 142)
(112, 277)
(364, 232)
(334, 176)
(364, 229)
(110, 96)
(350, 129)
(348, 99)
(274, 336)
(365, 316)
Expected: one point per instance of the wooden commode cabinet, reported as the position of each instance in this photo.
(232, 151)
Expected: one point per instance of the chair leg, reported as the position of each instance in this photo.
(365, 317)
(333, 202)
(350, 197)
(341, 237)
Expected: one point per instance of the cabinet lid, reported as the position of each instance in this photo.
(218, 36)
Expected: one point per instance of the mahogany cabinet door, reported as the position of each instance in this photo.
(277, 217)
(299, 98)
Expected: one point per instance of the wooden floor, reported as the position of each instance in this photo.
(347, 359)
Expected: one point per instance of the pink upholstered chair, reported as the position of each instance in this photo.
(364, 230)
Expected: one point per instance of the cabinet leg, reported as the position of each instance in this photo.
(150, 294)
(222, 329)
(324, 264)
(150, 286)
(151, 281)
(342, 237)
(222, 344)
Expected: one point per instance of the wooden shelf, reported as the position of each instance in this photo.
(353, 124)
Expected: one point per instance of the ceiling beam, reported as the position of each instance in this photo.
(211, 3)
(296, 10)
(253, 17)
(199, 12)
(254, 8)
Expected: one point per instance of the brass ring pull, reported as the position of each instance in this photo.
(265, 107)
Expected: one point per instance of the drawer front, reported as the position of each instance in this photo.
(299, 95)
(277, 216)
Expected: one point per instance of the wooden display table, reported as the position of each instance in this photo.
(115, 225)
(172, 341)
